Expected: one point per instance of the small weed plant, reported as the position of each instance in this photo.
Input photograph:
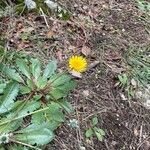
(137, 60)
(33, 103)
(95, 131)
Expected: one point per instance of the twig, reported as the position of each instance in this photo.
(141, 129)
(37, 111)
(25, 144)
(106, 144)
(138, 148)
(44, 18)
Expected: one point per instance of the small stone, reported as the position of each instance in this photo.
(86, 93)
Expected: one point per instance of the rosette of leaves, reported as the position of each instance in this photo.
(32, 103)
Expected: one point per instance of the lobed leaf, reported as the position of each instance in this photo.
(34, 134)
(2, 87)
(11, 73)
(23, 67)
(28, 107)
(50, 69)
(59, 79)
(10, 93)
(66, 105)
(36, 68)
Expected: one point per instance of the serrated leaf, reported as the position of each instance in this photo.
(62, 90)
(41, 82)
(67, 86)
(10, 93)
(17, 147)
(38, 118)
(2, 86)
(50, 69)
(23, 67)
(59, 79)
(14, 125)
(36, 68)
(25, 89)
(55, 112)
(34, 134)
(56, 94)
(94, 121)
(41, 117)
(89, 133)
(66, 105)
(28, 107)
(11, 73)
(30, 83)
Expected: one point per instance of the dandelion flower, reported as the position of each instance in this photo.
(77, 63)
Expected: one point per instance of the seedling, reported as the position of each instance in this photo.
(95, 131)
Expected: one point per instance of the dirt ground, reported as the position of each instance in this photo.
(108, 28)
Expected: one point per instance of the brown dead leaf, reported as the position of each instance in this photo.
(50, 34)
(86, 51)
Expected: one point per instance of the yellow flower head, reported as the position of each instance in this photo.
(77, 63)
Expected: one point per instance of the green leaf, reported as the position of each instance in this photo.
(56, 94)
(55, 112)
(2, 147)
(99, 136)
(123, 79)
(25, 89)
(34, 134)
(17, 147)
(41, 117)
(67, 86)
(9, 127)
(38, 118)
(28, 107)
(50, 69)
(64, 15)
(23, 67)
(94, 121)
(89, 133)
(11, 73)
(62, 90)
(99, 133)
(41, 82)
(30, 84)
(2, 86)
(59, 79)
(36, 68)
(66, 105)
(10, 93)
(102, 132)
